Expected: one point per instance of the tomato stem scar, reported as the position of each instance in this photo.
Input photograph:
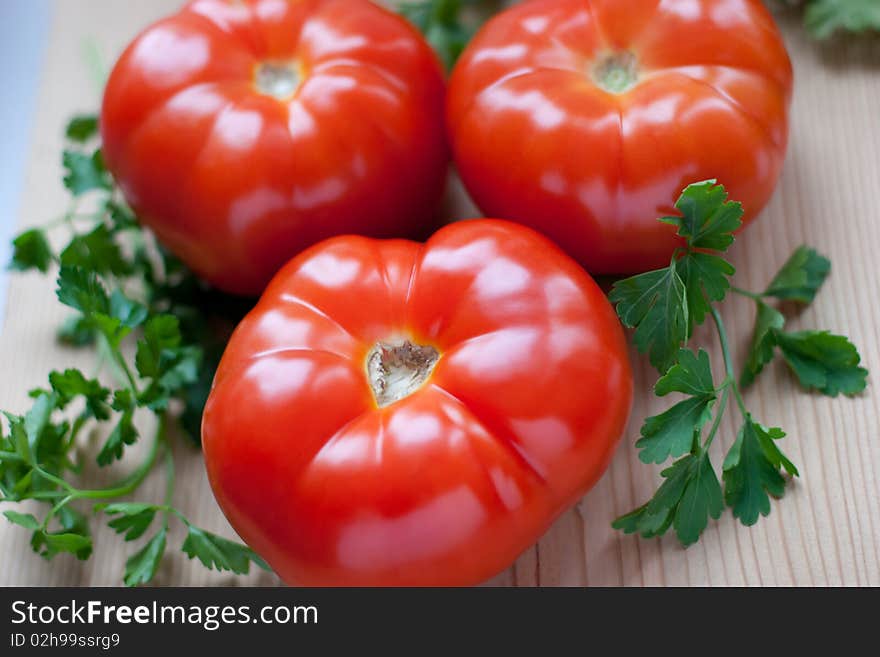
(616, 72)
(277, 79)
(397, 369)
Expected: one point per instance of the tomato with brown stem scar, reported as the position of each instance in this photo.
(395, 413)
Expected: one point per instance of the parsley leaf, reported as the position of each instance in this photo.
(800, 277)
(130, 313)
(142, 566)
(124, 433)
(706, 280)
(134, 520)
(824, 17)
(692, 375)
(161, 333)
(121, 215)
(25, 520)
(71, 383)
(751, 471)
(708, 220)
(701, 499)
(81, 289)
(688, 497)
(84, 173)
(655, 305)
(664, 305)
(99, 269)
(767, 321)
(97, 251)
(439, 21)
(82, 128)
(672, 432)
(36, 421)
(76, 331)
(30, 250)
(50, 544)
(823, 361)
(217, 552)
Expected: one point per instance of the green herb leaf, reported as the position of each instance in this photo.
(767, 321)
(823, 361)
(688, 497)
(161, 333)
(72, 383)
(702, 499)
(655, 305)
(83, 173)
(672, 432)
(18, 437)
(81, 289)
(76, 331)
(692, 375)
(82, 128)
(440, 22)
(124, 433)
(800, 277)
(134, 520)
(142, 566)
(751, 471)
(26, 520)
(217, 552)
(96, 251)
(47, 545)
(31, 250)
(129, 312)
(706, 279)
(37, 419)
(779, 460)
(708, 220)
(122, 400)
(825, 17)
(120, 215)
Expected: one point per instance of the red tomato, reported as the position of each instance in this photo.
(393, 413)
(586, 118)
(243, 132)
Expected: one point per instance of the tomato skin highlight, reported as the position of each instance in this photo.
(447, 486)
(235, 180)
(537, 139)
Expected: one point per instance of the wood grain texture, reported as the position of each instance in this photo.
(826, 531)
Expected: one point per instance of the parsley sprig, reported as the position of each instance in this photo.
(823, 18)
(129, 296)
(663, 307)
(448, 25)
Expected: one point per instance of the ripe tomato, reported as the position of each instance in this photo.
(586, 118)
(243, 132)
(393, 413)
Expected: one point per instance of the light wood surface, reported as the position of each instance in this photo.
(826, 531)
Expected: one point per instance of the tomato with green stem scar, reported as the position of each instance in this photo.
(395, 413)
(243, 132)
(584, 119)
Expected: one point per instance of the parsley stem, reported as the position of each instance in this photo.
(123, 487)
(719, 413)
(119, 361)
(728, 361)
(169, 481)
(134, 480)
(746, 293)
(55, 509)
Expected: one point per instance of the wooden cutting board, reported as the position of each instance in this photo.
(826, 531)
